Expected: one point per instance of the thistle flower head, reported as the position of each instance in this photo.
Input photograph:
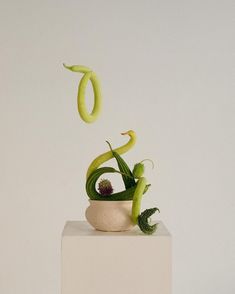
(105, 187)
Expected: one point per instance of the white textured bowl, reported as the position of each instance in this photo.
(110, 216)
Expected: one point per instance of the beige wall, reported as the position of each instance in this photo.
(165, 68)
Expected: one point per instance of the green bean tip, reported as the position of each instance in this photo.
(66, 66)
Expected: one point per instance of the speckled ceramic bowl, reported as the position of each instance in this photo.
(110, 216)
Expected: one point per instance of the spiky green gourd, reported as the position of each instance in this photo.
(143, 221)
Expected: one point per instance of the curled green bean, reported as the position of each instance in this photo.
(89, 75)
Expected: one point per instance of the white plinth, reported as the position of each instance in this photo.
(96, 262)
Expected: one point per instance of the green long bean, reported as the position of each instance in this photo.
(81, 103)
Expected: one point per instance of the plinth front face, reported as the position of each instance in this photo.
(115, 263)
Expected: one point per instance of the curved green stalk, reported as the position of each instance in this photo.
(82, 109)
(141, 184)
(108, 155)
(142, 219)
(150, 160)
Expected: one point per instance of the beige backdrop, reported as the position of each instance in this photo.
(165, 68)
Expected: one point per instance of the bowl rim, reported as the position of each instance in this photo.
(109, 201)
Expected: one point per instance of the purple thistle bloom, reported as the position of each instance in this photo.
(105, 187)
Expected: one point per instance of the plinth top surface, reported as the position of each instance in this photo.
(82, 228)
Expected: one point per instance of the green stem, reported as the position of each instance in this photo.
(149, 161)
(141, 184)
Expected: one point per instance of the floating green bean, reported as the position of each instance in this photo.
(81, 103)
